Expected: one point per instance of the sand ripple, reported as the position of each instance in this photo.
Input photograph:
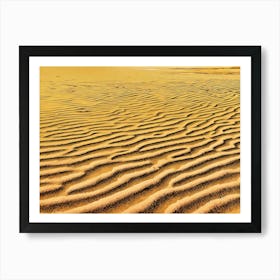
(128, 140)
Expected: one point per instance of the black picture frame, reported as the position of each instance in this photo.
(25, 52)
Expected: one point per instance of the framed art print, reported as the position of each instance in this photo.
(140, 138)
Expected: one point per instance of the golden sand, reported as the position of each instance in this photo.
(139, 140)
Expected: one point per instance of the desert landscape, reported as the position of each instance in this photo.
(140, 139)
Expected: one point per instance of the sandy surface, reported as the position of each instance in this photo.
(139, 140)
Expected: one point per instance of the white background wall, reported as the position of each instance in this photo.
(139, 256)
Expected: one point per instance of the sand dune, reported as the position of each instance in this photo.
(139, 140)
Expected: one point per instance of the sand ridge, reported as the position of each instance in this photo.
(139, 140)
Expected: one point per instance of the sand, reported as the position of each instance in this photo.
(139, 140)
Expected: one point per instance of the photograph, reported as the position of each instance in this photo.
(140, 139)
